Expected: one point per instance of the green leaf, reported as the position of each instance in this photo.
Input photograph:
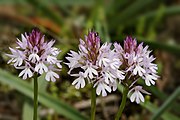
(167, 104)
(28, 112)
(166, 115)
(46, 99)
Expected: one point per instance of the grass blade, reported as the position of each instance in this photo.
(173, 10)
(44, 98)
(131, 11)
(166, 104)
(46, 11)
(152, 108)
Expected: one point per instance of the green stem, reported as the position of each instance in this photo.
(123, 103)
(35, 97)
(93, 103)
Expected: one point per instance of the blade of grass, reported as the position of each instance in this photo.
(98, 17)
(131, 11)
(46, 99)
(152, 108)
(63, 3)
(46, 11)
(116, 5)
(173, 10)
(28, 111)
(163, 46)
(166, 104)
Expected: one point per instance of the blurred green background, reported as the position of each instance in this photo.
(155, 22)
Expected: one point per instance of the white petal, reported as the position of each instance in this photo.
(94, 71)
(147, 82)
(152, 82)
(133, 96)
(25, 76)
(104, 93)
(107, 88)
(59, 65)
(137, 100)
(135, 71)
(82, 83)
(47, 77)
(75, 81)
(91, 75)
(141, 96)
(106, 79)
(22, 72)
(53, 79)
(99, 89)
(51, 59)
(114, 86)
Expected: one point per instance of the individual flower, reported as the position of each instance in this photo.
(34, 56)
(137, 63)
(137, 94)
(96, 64)
(79, 82)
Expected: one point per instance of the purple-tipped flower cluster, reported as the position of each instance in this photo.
(35, 56)
(137, 63)
(105, 67)
(97, 65)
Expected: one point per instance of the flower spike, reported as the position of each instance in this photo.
(35, 56)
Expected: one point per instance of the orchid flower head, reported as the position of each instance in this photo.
(35, 56)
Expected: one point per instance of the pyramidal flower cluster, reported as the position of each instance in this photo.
(106, 67)
(35, 56)
(136, 63)
(95, 64)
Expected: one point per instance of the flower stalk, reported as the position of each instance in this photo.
(123, 103)
(93, 103)
(35, 97)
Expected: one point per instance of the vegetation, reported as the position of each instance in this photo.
(155, 22)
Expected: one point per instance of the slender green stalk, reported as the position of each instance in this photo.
(35, 97)
(93, 103)
(123, 103)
